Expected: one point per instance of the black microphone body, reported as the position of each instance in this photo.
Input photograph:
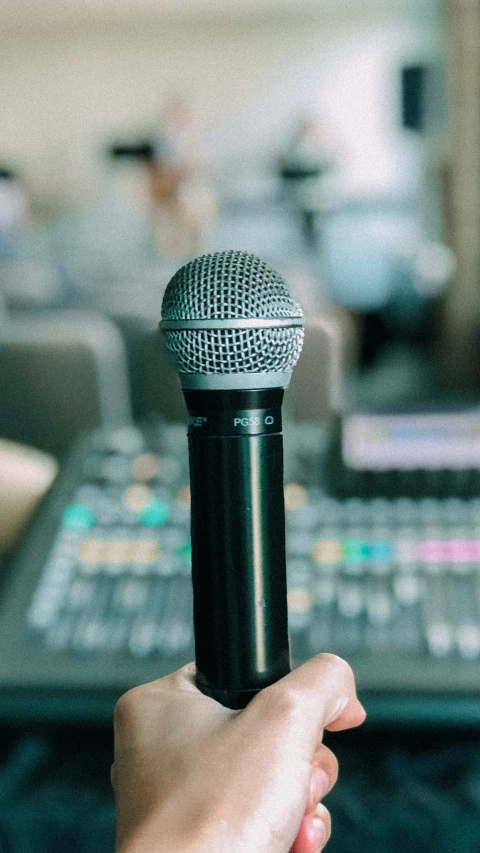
(238, 542)
(234, 333)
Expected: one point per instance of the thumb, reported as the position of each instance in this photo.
(322, 692)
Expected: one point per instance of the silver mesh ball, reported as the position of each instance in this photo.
(231, 286)
(227, 285)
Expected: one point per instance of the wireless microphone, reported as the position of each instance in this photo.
(234, 334)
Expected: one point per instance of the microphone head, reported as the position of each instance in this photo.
(230, 323)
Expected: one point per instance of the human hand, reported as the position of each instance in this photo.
(191, 776)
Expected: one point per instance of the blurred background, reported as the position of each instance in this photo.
(340, 142)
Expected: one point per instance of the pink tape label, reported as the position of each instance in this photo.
(449, 551)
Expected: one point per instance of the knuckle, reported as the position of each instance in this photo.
(126, 706)
(282, 699)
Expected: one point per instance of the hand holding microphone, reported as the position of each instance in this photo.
(192, 776)
(202, 776)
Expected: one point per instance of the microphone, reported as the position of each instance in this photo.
(234, 334)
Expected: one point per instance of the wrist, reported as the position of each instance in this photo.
(158, 835)
(188, 837)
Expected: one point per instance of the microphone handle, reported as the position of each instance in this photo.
(238, 542)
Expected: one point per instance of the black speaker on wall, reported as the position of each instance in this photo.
(414, 96)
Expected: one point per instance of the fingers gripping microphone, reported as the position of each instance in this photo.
(235, 333)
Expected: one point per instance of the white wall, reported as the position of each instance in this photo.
(64, 93)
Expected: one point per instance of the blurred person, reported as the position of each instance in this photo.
(184, 206)
(179, 138)
(28, 278)
(191, 775)
(182, 211)
(307, 167)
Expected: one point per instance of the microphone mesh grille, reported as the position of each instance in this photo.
(235, 350)
(223, 286)
(227, 285)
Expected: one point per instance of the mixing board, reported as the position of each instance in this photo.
(100, 599)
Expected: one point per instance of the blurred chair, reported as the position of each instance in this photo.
(329, 346)
(60, 373)
(162, 392)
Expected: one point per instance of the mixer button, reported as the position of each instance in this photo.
(125, 440)
(295, 496)
(407, 589)
(379, 607)
(355, 551)
(327, 551)
(406, 551)
(137, 497)
(300, 608)
(168, 470)
(324, 591)
(166, 565)
(183, 496)
(131, 595)
(155, 514)
(145, 467)
(78, 517)
(90, 636)
(180, 513)
(468, 641)
(59, 635)
(350, 601)
(299, 600)
(299, 543)
(177, 638)
(306, 517)
(439, 637)
(143, 638)
(80, 593)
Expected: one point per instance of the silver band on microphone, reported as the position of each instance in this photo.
(232, 323)
(233, 381)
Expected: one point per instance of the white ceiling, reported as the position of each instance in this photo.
(44, 13)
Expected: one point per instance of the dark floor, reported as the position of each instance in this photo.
(396, 792)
